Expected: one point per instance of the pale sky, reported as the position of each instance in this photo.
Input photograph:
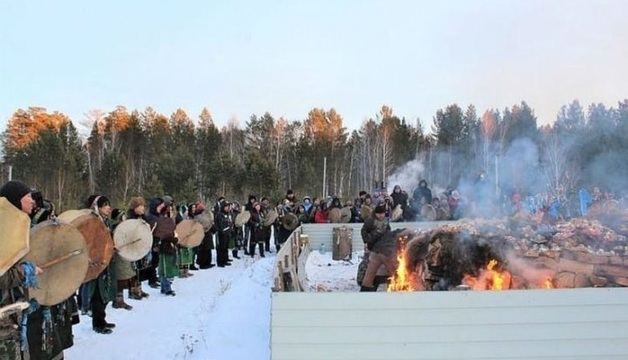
(239, 58)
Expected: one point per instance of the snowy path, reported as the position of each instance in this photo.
(218, 314)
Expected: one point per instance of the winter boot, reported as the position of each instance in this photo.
(119, 303)
(368, 289)
(187, 272)
(144, 295)
(135, 293)
(234, 253)
(182, 273)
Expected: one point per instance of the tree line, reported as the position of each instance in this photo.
(131, 152)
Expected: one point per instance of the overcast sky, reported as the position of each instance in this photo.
(242, 57)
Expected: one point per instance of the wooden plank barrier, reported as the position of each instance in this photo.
(286, 274)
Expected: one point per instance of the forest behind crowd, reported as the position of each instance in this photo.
(142, 152)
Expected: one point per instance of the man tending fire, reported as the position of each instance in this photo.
(381, 243)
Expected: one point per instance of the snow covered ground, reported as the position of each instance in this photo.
(218, 314)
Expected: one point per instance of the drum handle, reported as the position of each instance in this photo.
(60, 259)
(13, 309)
(129, 243)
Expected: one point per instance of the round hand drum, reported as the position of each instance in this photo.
(99, 243)
(242, 218)
(206, 219)
(61, 251)
(290, 221)
(133, 239)
(190, 233)
(270, 218)
(334, 215)
(15, 227)
(70, 215)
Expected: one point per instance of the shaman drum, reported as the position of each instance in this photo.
(15, 225)
(290, 221)
(99, 243)
(428, 212)
(165, 227)
(270, 218)
(69, 215)
(206, 219)
(396, 213)
(61, 251)
(242, 218)
(133, 239)
(190, 233)
(365, 212)
(334, 215)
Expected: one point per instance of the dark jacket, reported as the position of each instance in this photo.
(399, 198)
(224, 224)
(377, 236)
(422, 192)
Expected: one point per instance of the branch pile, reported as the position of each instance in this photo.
(579, 253)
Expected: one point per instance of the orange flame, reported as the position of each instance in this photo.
(401, 279)
(489, 278)
(549, 284)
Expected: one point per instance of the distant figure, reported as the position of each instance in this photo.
(585, 201)
(422, 192)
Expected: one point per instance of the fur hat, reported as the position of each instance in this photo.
(136, 201)
(380, 209)
(14, 191)
(167, 200)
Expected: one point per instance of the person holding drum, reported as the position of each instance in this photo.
(15, 281)
(137, 210)
(49, 327)
(101, 290)
(255, 224)
(224, 229)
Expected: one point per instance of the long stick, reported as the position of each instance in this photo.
(130, 243)
(60, 259)
(13, 309)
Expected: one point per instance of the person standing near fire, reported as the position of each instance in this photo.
(380, 242)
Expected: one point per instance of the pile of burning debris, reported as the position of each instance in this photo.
(515, 253)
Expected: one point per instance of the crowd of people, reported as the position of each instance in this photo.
(230, 230)
(43, 332)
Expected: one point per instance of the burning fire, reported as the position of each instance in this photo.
(549, 284)
(489, 278)
(401, 279)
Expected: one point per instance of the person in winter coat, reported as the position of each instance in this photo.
(399, 198)
(101, 290)
(137, 210)
(237, 236)
(255, 225)
(204, 250)
(247, 230)
(224, 231)
(165, 240)
(14, 282)
(379, 240)
(307, 205)
(422, 192)
(267, 230)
